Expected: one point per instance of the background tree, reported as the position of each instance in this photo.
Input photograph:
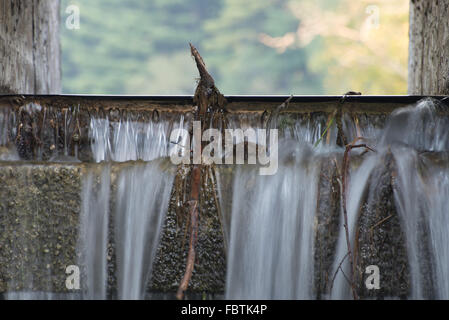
(252, 46)
(363, 43)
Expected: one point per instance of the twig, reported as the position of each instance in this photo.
(191, 255)
(336, 271)
(285, 104)
(329, 123)
(275, 113)
(341, 138)
(344, 275)
(206, 96)
(378, 224)
(178, 144)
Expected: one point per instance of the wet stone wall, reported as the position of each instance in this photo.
(39, 234)
(380, 239)
(46, 154)
(39, 217)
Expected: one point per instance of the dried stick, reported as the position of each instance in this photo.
(377, 225)
(194, 214)
(341, 138)
(329, 123)
(336, 272)
(206, 96)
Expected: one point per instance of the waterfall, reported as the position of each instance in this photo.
(270, 224)
(439, 226)
(358, 183)
(143, 194)
(422, 194)
(271, 238)
(130, 140)
(415, 136)
(94, 223)
(398, 194)
(92, 189)
(141, 201)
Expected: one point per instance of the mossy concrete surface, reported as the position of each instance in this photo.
(210, 264)
(40, 212)
(380, 239)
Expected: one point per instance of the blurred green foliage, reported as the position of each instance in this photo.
(141, 47)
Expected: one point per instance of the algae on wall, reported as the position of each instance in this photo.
(39, 215)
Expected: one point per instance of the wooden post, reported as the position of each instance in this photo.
(29, 47)
(429, 47)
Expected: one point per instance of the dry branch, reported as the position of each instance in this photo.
(206, 94)
(208, 99)
(194, 214)
(336, 272)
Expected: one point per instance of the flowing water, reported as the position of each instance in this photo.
(142, 195)
(418, 140)
(422, 194)
(284, 234)
(271, 221)
(271, 239)
(271, 228)
(124, 196)
(94, 230)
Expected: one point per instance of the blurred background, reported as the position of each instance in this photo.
(249, 46)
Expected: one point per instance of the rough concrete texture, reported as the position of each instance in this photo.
(327, 226)
(210, 264)
(38, 225)
(39, 219)
(380, 239)
(29, 47)
(39, 233)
